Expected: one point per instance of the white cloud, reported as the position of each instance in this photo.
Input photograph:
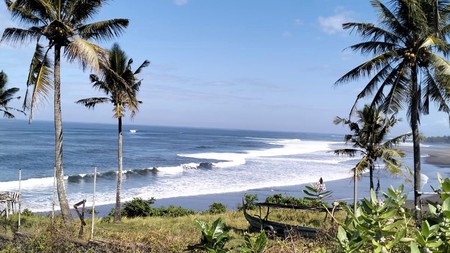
(180, 2)
(333, 24)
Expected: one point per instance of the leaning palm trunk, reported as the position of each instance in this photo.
(64, 205)
(117, 216)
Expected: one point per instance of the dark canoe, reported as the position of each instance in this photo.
(276, 228)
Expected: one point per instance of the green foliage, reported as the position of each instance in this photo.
(27, 212)
(377, 226)
(138, 207)
(143, 208)
(214, 237)
(435, 230)
(216, 208)
(171, 211)
(287, 200)
(249, 202)
(254, 244)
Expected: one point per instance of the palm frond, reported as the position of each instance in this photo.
(92, 102)
(24, 11)
(77, 12)
(17, 35)
(103, 30)
(39, 77)
(143, 65)
(86, 53)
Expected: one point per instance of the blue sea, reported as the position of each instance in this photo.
(167, 162)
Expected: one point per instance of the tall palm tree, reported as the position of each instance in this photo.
(120, 98)
(370, 139)
(59, 25)
(6, 95)
(407, 68)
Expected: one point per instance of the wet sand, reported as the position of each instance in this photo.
(436, 157)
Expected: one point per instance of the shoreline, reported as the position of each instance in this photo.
(342, 189)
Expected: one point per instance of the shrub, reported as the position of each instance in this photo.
(138, 207)
(216, 208)
(172, 211)
(377, 226)
(287, 200)
(249, 202)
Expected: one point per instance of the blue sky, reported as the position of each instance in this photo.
(262, 65)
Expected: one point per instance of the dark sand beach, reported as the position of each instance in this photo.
(438, 157)
(342, 189)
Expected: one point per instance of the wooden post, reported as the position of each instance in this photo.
(81, 216)
(20, 198)
(93, 204)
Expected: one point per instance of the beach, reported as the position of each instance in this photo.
(342, 189)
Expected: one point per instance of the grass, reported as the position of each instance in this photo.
(157, 234)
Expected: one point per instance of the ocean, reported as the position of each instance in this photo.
(169, 162)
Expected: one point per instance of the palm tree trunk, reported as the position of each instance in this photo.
(63, 203)
(355, 191)
(117, 216)
(371, 176)
(416, 144)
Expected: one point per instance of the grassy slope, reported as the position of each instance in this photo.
(158, 234)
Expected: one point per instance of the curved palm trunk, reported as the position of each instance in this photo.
(117, 216)
(62, 196)
(416, 144)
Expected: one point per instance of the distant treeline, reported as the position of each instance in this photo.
(437, 139)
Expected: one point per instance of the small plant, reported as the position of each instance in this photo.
(317, 192)
(216, 208)
(213, 238)
(254, 244)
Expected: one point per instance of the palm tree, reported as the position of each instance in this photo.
(369, 139)
(6, 95)
(408, 68)
(120, 98)
(60, 24)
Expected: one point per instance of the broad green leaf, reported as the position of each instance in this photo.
(414, 247)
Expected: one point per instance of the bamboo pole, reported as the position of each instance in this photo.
(93, 204)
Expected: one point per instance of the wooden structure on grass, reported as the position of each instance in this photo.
(9, 202)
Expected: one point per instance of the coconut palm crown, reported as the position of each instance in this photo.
(120, 83)
(57, 25)
(6, 96)
(370, 140)
(407, 69)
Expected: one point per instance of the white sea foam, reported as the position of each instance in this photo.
(28, 184)
(288, 147)
(170, 170)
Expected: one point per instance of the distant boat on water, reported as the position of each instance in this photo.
(133, 131)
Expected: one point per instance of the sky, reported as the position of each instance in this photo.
(233, 64)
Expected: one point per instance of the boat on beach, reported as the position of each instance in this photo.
(258, 223)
